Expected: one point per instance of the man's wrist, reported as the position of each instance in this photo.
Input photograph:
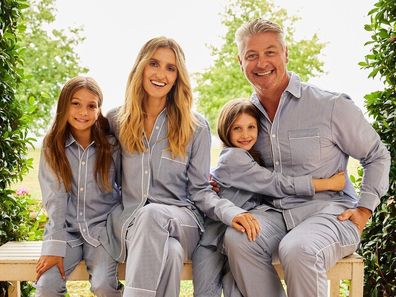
(365, 210)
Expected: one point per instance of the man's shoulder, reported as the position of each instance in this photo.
(315, 92)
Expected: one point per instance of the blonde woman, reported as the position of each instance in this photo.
(165, 164)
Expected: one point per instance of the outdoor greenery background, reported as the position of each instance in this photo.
(35, 60)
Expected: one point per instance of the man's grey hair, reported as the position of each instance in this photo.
(259, 25)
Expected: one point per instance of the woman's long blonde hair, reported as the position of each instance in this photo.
(180, 119)
(54, 141)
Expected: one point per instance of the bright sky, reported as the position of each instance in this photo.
(115, 31)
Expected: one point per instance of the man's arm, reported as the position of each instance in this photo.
(358, 139)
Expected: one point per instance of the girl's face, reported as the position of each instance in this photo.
(83, 111)
(160, 73)
(243, 132)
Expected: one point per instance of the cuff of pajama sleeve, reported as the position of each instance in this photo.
(368, 200)
(231, 213)
(54, 248)
(303, 185)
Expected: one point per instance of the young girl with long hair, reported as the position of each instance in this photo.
(247, 184)
(78, 174)
(165, 169)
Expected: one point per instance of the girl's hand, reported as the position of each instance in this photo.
(334, 183)
(47, 262)
(337, 182)
(246, 222)
(214, 184)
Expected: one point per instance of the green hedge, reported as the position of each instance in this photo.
(379, 238)
(14, 212)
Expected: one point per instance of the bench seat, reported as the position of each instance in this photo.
(18, 263)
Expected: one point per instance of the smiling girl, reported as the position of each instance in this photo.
(78, 180)
(247, 184)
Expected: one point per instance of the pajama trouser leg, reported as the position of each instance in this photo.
(230, 288)
(311, 249)
(102, 269)
(51, 283)
(160, 239)
(212, 275)
(208, 264)
(251, 261)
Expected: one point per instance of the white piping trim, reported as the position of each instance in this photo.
(78, 180)
(305, 137)
(319, 251)
(139, 289)
(173, 160)
(189, 226)
(56, 240)
(369, 193)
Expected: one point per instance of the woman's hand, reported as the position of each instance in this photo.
(246, 222)
(47, 262)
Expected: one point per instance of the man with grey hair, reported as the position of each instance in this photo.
(304, 131)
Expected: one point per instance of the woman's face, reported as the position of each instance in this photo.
(160, 73)
(243, 132)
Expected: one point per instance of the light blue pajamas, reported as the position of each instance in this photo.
(160, 221)
(100, 265)
(241, 180)
(313, 133)
(76, 219)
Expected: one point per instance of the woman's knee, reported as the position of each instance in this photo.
(150, 214)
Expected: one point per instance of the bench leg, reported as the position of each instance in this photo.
(357, 282)
(334, 288)
(14, 290)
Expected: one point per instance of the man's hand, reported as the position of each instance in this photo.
(47, 262)
(246, 222)
(359, 216)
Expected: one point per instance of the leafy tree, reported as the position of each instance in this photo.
(224, 80)
(379, 237)
(13, 126)
(49, 60)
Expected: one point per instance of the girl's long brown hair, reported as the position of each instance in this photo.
(180, 119)
(228, 114)
(54, 141)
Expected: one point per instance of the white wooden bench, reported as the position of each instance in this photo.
(18, 262)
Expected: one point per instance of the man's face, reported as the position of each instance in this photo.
(263, 59)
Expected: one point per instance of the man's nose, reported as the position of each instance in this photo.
(262, 61)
